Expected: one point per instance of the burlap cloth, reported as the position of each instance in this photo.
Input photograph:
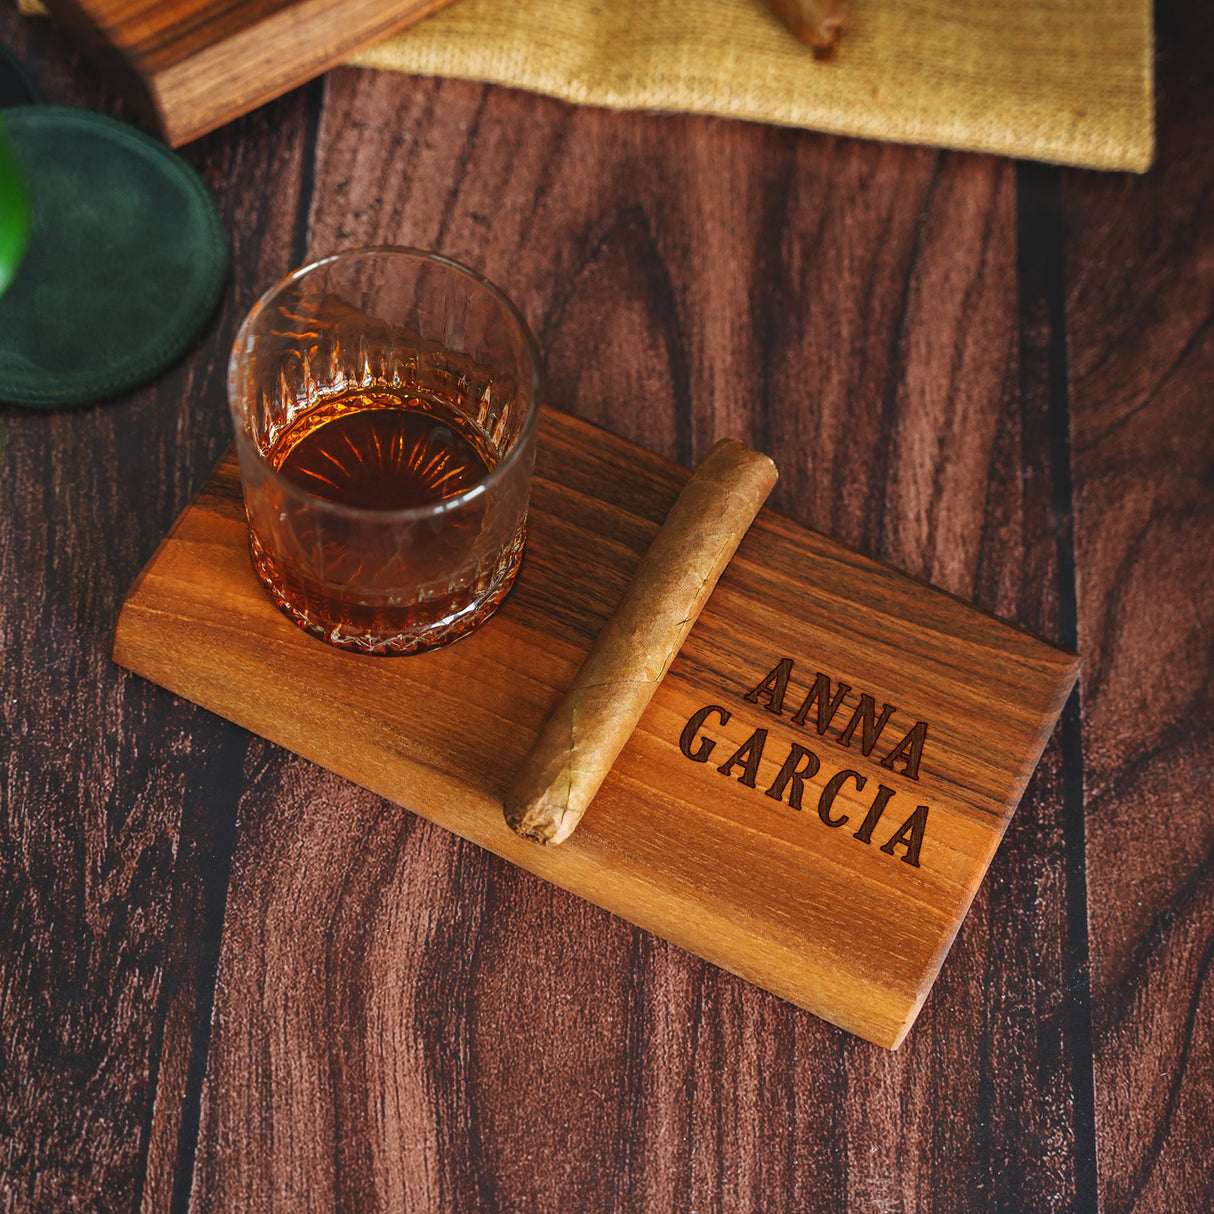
(1059, 80)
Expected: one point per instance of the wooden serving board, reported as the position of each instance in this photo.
(810, 801)
(189, 66)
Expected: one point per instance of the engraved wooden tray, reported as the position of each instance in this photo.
(810, 801)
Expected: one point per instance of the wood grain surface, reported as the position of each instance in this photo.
(925, 342)
(684, 288)
(1140, 294)
(114, 803)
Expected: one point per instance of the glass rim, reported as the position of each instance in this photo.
(240, 349)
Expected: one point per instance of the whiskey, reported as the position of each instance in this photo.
(359, 546)
(379, 450)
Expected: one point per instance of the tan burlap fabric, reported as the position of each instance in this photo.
(1060, 80)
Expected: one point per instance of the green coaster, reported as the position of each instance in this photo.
(125, 264)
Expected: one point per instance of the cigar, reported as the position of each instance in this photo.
(818, 23)
(580, 742)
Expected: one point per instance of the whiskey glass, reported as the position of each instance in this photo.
(385, 403)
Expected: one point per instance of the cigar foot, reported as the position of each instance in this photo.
(536, 823)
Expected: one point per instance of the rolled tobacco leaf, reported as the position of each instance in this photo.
(580, 742)
(818, 23)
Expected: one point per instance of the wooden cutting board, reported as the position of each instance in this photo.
(810, 801)
(189, 66)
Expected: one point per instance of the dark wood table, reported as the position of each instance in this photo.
(995, 376)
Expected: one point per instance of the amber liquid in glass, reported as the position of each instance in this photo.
(381, 451)
(377, 450)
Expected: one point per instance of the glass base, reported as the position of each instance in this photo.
(384, 630)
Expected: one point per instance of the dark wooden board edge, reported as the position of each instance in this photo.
(187, 81)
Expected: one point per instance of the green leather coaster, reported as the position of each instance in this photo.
(126, 260)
